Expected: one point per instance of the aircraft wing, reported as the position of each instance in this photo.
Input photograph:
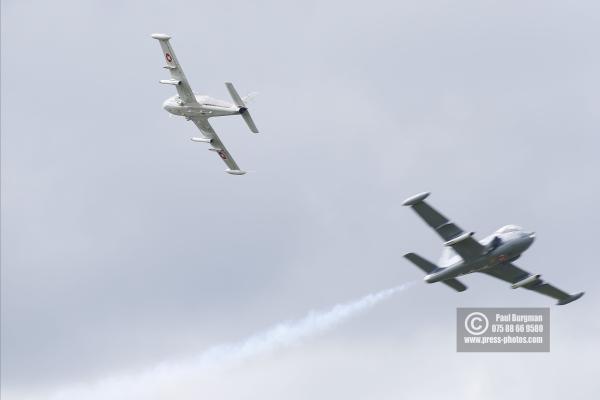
(178, 78)
(211, 137)
(462, 242)
(510, 273)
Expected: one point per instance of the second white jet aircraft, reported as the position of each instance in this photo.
(199, 109)
(492, 255)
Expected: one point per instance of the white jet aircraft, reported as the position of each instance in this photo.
(199, 109)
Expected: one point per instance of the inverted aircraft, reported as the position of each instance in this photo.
(199, 109)
(493, 255)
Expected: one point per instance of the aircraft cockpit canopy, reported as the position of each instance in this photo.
(509, 228)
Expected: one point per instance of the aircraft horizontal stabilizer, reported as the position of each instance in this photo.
(455, 284)
(427, 266)
(246, 115)
(243, 109)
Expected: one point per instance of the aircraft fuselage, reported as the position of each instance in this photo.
(502, 247)
(206, 107)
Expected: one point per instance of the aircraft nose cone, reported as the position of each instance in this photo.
(529, 239)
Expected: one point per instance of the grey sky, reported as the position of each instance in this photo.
(124, 244)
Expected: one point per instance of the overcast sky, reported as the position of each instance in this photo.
(125, 245)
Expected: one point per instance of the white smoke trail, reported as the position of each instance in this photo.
(288, 333)
(169, 375)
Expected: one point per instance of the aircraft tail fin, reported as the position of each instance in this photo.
(428, 267)
(243, 109)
